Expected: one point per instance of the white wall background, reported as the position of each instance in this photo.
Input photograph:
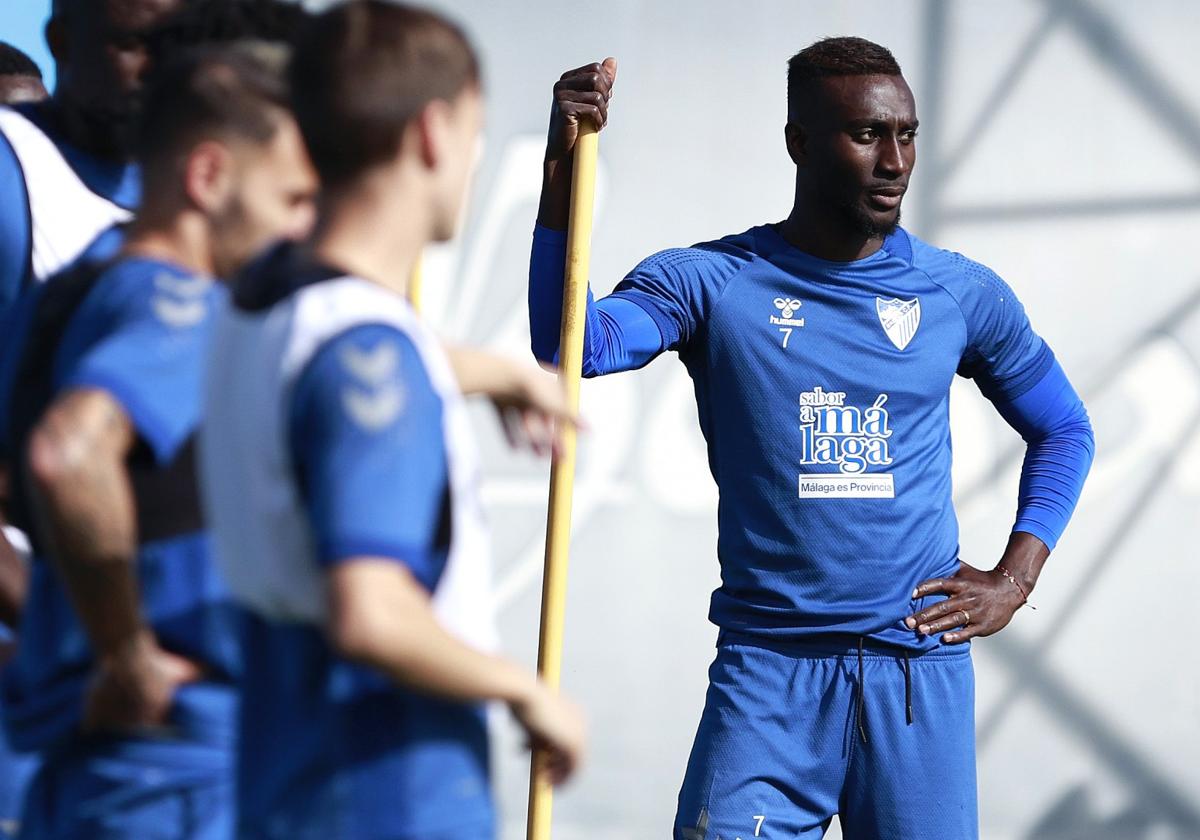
(1060, 144)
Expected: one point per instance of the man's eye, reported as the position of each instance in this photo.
(865, 136)
(908, 136)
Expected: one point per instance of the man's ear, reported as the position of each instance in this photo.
(796, 138)
(431, 132)
(208, 176)
(56, 39)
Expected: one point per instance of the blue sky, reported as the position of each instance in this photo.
(21, 23)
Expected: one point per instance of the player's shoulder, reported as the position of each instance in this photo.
(721, 258)
(375, 351)
(143, 289)
(21, 128)
(962, 277)
(372, 374)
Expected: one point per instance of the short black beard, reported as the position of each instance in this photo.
(862, 223)
(109, 134)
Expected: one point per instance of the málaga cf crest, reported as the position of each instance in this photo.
(900, 319)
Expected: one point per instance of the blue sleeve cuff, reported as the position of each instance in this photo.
(664, 320)
(337, 550)
(1048, 537)
(550, 236)
(164, 440)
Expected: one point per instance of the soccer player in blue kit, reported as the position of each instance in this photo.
(822, 350)
(67, 160)
(125, 673)
(65, 176)
(67, 173)
(340, 472)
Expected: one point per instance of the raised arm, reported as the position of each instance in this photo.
(618, 335)
(660, 305)
(579, 94)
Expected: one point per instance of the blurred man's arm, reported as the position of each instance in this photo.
(382, 617)
(14, 581)
(84, 505)
(531, 403)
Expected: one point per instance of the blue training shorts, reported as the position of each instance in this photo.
(784, 744)
(102, 787)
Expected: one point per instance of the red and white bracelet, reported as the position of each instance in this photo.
(1016, 583)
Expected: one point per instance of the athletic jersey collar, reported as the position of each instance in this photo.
(895, 245)
(280, 272)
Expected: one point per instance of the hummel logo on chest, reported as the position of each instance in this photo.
(787, 309)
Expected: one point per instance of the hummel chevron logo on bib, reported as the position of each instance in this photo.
(848, 437)
(900, 319)
(376, 400)
(179, 301)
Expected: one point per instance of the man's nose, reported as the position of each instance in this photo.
(892, 158)
(133, 64)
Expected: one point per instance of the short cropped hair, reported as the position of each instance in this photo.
(846, 56)
(362, 71)
(231, 90)
(201, 22)
(13, 62)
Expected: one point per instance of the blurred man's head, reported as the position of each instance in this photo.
(99, 48)
(103, 47)
(379, 88)
(201, 22)
(20, 77)
(851, 131)
(218, 143)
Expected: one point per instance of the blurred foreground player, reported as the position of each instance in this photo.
(65, 176)
(341, 475)
(822, 350)
(129, 645)
(68, 159)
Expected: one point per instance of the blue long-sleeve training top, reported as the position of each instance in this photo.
(823, 393)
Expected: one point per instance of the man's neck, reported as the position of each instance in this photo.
(73, 128)
(825, 235)
(375, 232)
(184, 240)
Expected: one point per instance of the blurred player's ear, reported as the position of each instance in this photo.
(796, 138)
(209, 176)
(431, 131)
(56, 38)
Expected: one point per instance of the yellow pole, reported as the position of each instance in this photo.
(562, 470)
(414, 286)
